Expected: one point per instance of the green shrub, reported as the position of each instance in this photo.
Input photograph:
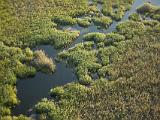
(157, 28)
(156, 17)
(102, 21)
(4, 111)
(6, 117)
(96, 37)
(61, 39)
(83, 58)
(8, 77)
(83, 22)
(100, 45)
(113, 37)
(84, 78)
(64, 20)
(45, 106)
(147, 8)
(71, 89)
(115, 8)
(104, 54)
(23, 71)
(150, 23)
(103, 71)
(8, 95)
(130, 29)
(21, 117)
(28, 54)
(57, 92)
(135, 17)
(107, 11)
(120, 13)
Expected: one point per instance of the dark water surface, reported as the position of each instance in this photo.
(31, 90)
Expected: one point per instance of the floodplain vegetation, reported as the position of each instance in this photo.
(17, 63)
(114, 8)
(117, 72)
(23, 25)
(118, 75)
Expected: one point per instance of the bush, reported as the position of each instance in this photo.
(23, 71)
(83, 58)
(71, 89)
(61, 39)
(28, 54)
(6, 117)
(57, 92)
(135, 17)
(102, 21)
(85, 79)
(130, 29)
(64, 20)
(7, 76)
(156, 17)
(8, 95)
(96, 37)
(150, 10)
(113, 37)
(21, 117)
(115, 8)
(45, 106)
(157, 28)
(100, 45)
(83, 22)
(119, 13)
(4, 111)
(150, 23)
(147, 8)
(42, 62)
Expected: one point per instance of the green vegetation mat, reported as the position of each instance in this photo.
(127, 86)
(28, 23)
(115, 8)
(118, 72)
(118, 76)
(25, 23)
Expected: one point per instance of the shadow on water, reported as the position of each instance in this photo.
(31, 90)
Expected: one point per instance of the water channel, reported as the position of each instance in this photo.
(31, 90)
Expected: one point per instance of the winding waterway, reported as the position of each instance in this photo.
(31, 90)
